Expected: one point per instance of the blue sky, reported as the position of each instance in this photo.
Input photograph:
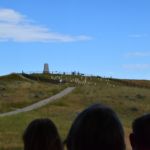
(99, 37)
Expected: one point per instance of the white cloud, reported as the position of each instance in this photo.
(137, 35)
(136, 67)
(9, 15)
(138, 54)
(16, 27)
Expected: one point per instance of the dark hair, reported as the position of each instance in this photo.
(141, 130)
(97, 127)
(41, 134)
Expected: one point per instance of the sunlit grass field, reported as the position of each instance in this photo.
(17, 92)
(128, 101)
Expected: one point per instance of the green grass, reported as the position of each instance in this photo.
(16, 92)
(128, 101)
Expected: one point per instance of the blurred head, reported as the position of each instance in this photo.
(96, 128)
(41, 134)
(140, 137)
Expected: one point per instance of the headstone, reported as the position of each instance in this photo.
(46, 69)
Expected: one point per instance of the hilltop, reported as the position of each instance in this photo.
(17, 91)
(129, 98)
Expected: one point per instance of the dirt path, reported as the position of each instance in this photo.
(40, 103)
(23, 77)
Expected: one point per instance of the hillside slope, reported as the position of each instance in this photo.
(17, 92)
(128, 100)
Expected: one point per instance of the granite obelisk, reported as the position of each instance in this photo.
(46, 69)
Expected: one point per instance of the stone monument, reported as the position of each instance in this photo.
(46, 69)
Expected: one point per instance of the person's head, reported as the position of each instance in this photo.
(96, 128)
(140, 137)
(41, 134)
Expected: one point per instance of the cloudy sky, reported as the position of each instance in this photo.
(106, 38)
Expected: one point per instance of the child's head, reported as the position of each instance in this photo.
(41, 134)
(97, 127)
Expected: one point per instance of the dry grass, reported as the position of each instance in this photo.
(16, 92)
(128, 102)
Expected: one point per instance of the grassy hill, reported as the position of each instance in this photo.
(17, 92)
(129, 98)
